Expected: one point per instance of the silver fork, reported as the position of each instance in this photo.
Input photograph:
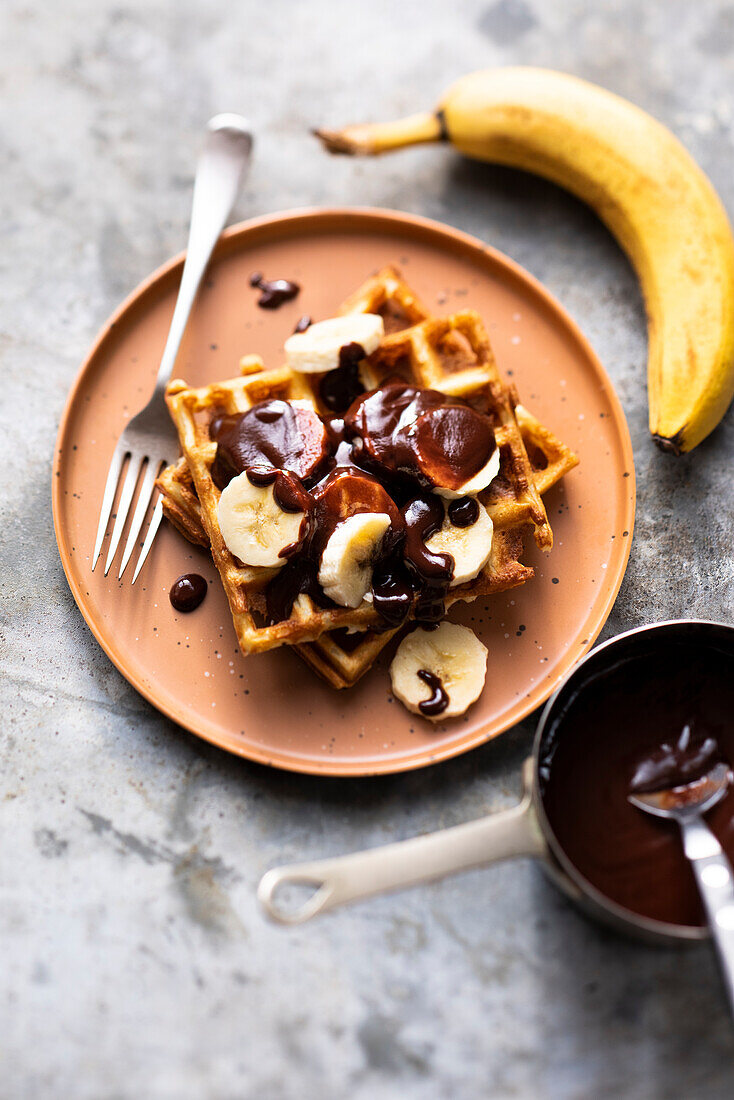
(149, 441)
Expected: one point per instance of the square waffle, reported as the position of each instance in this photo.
(452, 355)
(341, 658)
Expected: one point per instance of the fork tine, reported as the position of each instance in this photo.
(123, 507)
(146, 492)
(113, 476)
(155, 522)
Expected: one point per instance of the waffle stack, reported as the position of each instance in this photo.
(450, 354)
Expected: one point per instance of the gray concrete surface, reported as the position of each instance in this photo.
(134, 960)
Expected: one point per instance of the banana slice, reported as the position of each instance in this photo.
(439, 673)
(346, 563)
(317, 349)
(480, 481)
(470, 547)
(254, 526)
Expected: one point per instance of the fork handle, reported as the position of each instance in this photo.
(715, 879)
(218, 174)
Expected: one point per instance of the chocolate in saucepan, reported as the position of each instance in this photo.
(623, 728)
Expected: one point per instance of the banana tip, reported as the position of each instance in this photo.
(670, 444)
(335, 142)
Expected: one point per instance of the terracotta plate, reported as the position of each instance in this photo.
(271, 708)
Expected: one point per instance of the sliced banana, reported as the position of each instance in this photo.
(452, 660)
(480, 481)
(317, 349)
(254, 526)
(345, 572)
(470, 547)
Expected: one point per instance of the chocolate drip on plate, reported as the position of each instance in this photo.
(274, 291)
(187, 592)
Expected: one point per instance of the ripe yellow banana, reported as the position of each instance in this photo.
(646, 188)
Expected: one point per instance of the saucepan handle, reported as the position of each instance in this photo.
(509, 833)
(715, 879)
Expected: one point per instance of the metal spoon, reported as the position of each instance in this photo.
(713, 871)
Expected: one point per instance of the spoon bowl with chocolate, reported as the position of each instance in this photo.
(682, 782)
(614, 723)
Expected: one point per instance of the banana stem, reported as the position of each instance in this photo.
(380, 137)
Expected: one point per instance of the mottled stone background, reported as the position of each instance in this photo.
(134, 960)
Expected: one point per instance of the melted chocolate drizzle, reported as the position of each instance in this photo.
(420, 434)
(341, 387)
(430, 606)
(464, 512)
(289, 492)
(423, 517)
(297, 576)
(436, 703)
(392, 591)
(271, 433)
(372, 455)
(187, 592)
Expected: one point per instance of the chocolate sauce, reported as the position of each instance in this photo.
(302, 324)
(326, 468)
(341, 387)
(297, 576)
(336, 433)
(609, 735)
(421, 434)
(346, 640)
(437, 702)
(274, 291)
(430, 606)
(271, 433)
(423, 517)
(289, 493)
(676, 764)
(187, 592)
(464, 512)
(343, 492)
(392, 591)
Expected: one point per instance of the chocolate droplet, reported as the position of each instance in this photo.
(187, 592)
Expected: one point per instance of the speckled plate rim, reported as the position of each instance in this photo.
(456, 240)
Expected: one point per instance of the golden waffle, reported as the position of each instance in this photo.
(452, 355)
(340, 658)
